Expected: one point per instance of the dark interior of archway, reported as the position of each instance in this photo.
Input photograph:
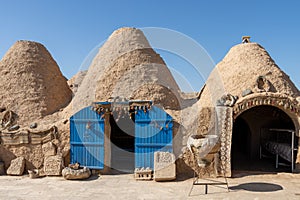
(122, 142)
(251, 131)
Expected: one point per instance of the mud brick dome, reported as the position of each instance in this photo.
(244, 94)
(32, 84)
(258, 97)
(128, 67)
(248, 71)
(240, 70)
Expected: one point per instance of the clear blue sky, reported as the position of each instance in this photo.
(71, 29)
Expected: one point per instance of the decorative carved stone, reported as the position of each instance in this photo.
(53, 165)
(262, 84)
(225, 122)
(20, 137)
(227, 100)
(76, 174)
(8, 119)
(164, 166)
(143, 174)
(16, 166)
(280, 102)
(13, 128)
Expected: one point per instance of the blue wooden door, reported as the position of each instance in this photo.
(87, 138)
(153, 132)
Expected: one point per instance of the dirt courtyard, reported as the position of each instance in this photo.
(267, 186)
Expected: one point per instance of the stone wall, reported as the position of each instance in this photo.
(35, 145)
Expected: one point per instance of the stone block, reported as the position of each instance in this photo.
(49, 149)
(42, 172)
(53, 165)
(76, 174)
(16, 166)
(164, 166)
(143, 174)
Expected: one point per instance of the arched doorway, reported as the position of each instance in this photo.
(122, 141)
(253, 133)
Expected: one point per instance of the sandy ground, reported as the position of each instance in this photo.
(273, 186)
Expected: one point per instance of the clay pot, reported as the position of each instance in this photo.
(207, 147)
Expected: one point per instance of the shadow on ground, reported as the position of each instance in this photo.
(240, 173)
(257, 187)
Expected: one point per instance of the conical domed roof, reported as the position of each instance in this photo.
(240, 70)
(32, 84)
(76, 80)
(124, 66)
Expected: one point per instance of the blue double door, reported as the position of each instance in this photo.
(87, 138)
(133, 138)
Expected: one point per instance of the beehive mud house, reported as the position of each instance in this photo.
(127, 106)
